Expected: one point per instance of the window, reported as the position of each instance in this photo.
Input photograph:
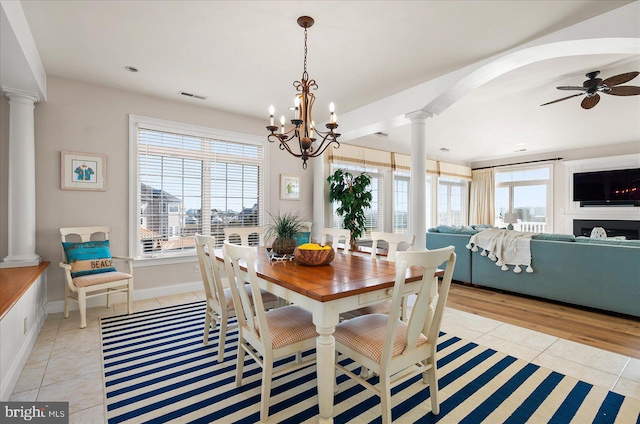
(187, 180)
(401, 202)
(375, 214)
(452, 204)
(527, 192)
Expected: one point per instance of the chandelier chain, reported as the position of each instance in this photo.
(305, 51)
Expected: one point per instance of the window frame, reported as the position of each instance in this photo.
(450, 182)
(510, 185)
(155, 124)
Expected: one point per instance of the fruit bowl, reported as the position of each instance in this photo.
(313, 254)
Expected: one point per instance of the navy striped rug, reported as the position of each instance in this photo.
(156, 369)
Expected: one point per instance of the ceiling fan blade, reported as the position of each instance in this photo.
(625, 90)
(589, 102)
(620, 79)
(564, 98)
(571, 87)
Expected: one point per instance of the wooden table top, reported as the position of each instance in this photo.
(15, 281)
(346, 275)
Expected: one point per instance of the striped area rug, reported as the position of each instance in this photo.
(156, 369)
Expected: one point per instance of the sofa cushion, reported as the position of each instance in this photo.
(611, 242)
(553, 237)
(91, 257)
(449, 229)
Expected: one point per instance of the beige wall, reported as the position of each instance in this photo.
(88, 118)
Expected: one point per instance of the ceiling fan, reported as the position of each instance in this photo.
(595, 85)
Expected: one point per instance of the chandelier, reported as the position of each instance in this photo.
(303, 131)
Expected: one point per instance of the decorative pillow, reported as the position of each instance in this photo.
(92, 257)
(302, 238)
(482, 226)
(598, 232)
(449, 229)
(433, 230)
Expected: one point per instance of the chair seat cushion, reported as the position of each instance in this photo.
(289, 325)
(266, 296)
(102, 278)
(365, 335)
(91, 257)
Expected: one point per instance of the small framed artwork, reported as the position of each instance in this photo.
(289, 187)
(83, 171)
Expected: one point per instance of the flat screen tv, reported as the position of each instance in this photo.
(618, 187)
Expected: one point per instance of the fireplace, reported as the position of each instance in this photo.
(629, 229)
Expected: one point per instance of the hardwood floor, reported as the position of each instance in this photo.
(613, 333)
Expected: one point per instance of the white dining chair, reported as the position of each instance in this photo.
(89, 269)
(397, 350)
(244, 233)
(336, 235)
(220, 306)
(265, 336)
(393, 241)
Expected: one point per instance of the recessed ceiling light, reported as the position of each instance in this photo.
(444, 149)
(520, 144)
(520, 150)
(131, 68)
(381, 134)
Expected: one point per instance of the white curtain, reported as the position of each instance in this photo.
(481, 205)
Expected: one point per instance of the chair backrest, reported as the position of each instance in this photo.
(336, 234)
(429, 261)
(243, 233)
(211, 280)
(247, 309)
(393, 241)
(82, 235)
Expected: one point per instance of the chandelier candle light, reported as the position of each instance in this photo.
(303, 126)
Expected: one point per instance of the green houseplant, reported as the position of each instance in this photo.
(354, 197)
(283, 229)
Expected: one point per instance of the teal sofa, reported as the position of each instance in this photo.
(595, 273)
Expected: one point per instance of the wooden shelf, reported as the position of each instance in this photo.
(15, 281)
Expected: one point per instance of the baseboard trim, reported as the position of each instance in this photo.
(58, 305)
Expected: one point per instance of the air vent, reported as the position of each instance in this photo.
(381, 134)
(195, 96)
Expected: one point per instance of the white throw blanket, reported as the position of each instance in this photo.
(506, 247)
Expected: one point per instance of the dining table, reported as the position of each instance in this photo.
(349, 282)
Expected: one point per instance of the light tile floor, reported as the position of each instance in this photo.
(65, 363)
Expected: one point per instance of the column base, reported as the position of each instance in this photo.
(10, 262)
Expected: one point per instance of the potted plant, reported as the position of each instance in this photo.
(354, 197)
(283, 230)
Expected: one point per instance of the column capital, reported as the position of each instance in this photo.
(12, 93)
(419, 115)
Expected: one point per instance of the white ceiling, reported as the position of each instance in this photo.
(245, 55)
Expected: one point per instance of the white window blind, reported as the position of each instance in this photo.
(190, 183)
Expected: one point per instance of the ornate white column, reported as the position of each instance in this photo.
(418, 187)
(22, 181)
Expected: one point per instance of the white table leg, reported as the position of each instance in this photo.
(325, 357)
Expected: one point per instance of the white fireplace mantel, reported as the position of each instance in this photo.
(573, 210)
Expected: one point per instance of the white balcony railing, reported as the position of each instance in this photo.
(527, 227)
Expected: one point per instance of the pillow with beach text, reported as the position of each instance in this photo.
(91, 257)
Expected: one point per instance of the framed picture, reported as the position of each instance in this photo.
(83, 171)
(289, 187)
